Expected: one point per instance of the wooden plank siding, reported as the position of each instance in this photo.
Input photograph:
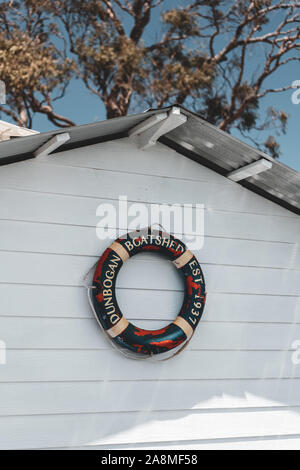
(63, 386)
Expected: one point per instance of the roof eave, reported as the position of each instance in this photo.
(280, 185)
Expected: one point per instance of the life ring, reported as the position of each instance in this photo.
(123, 333)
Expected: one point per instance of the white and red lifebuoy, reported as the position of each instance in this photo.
(125, 334)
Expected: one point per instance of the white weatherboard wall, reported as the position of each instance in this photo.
(235, 386)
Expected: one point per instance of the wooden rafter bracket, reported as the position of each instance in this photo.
(52, 144)
(250, 170)
(149, 131)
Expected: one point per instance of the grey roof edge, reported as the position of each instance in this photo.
(9, 149)
(22, 148)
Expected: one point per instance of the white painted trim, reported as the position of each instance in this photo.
(250, 170)
(152, 130)
(8, 130)
(52, 144)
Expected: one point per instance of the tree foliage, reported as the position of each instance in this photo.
(34, 70)
(215, 56)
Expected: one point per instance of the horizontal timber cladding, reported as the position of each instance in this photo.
(287, 442)
(50, 333)
(59, 209)
(156, 161)
(70, 302)
(121, 428)
(37, 268)
(55, 239)
(63, 386)
(66, 397)
(34, 176)
(77, 365)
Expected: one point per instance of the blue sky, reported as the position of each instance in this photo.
(83, 107)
